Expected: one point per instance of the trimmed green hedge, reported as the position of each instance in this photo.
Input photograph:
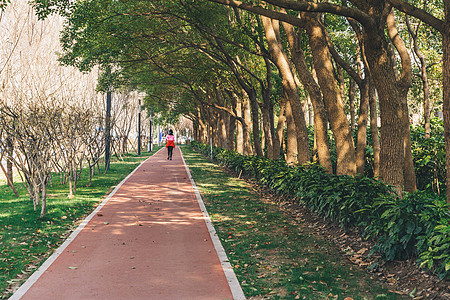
(417, 225)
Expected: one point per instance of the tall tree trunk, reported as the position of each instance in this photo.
(291, 146)
(108, 131)
(444, 28)
(222, 122)
(272, 124)
(426, 97)
(341, 80)
(316, 153)
(43, 198)
(279, 136)
(268, 139)
(362, 128)
(310, 112)
(391, 109)
(351, 105)
(203, 133)
(303, 152)
(195, 128)
(267, 109)
(70, 175)
(239, 129)
(374, 130)
(313, 89)
(266, 120)
(263, 138)
(232, 126)
(197, 125)
(223, 130)
(216, 128)
(391, 167)
(345, 148)
(446, 90)
(403, 85)
(34, 194)
(247, 129)
(209, 130)
(124, 144)
(9, 160)
(426, 100)
(254, 106)
(271, 28)
(408, 171)
(231, 133)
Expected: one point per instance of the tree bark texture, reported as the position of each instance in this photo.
(341, 80)
(239, 130)
(351, 104)
(362, 128)
(403, 83)
(268, 138)
(346, 158)
(291, 141)
(267, 111)
(391, 109)
(9, 164)
(231, 133)
(310, 113)
(374, 130)
(279, 135)
(223, 130)
(108, 131)
(254, 108)
(246, 111)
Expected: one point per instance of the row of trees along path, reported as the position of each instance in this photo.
(243, 72)
(237, 67)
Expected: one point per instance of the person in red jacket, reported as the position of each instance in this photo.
(170, 145)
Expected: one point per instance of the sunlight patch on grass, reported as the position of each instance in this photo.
(220, 217)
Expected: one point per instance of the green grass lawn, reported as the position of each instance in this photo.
(273, 256)
(27, 240)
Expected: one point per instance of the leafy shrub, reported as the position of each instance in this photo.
(401, 225)
(437, 256)
(415, 225)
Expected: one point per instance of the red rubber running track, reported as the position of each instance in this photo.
(149, 241)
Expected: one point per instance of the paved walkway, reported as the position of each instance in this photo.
(149, 241)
